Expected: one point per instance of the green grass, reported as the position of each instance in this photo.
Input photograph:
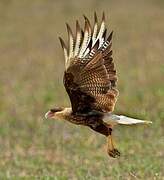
(31, 70)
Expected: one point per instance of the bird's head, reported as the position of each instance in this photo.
(54, 113)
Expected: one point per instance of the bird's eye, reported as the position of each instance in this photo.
(52, 110)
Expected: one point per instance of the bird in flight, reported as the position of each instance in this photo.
(90, 80)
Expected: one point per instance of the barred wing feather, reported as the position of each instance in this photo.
(90, 76)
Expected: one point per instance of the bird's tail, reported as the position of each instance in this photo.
(124, 120)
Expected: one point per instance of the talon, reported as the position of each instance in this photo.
(117, 152)
(111, 154)
(114, 153)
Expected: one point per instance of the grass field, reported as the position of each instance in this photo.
(31, 70)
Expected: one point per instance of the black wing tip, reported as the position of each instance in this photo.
(95, 17)
(69, 30)
(85, 17)
(110, 36)
(77, 23)
(103, 16)
(104, 34)
(61, 42)
(82, 33)
(87, 26)
(77, 26)
(67, 25)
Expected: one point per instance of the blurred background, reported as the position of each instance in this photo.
(31, 70)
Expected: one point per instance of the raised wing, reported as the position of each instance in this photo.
(90, 77)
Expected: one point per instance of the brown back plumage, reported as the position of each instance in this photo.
(90, 76)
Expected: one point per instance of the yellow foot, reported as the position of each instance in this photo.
(113, 153)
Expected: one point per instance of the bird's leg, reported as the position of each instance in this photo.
(106, 130)
(111, 150)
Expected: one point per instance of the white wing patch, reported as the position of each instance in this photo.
(85, 44)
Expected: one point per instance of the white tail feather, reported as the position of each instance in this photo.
(128, 120)
(116, 119)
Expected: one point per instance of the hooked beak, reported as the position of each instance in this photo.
(49, 114)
